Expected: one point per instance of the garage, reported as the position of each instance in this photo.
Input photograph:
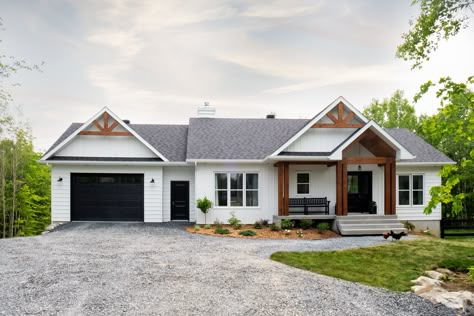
(106, 197)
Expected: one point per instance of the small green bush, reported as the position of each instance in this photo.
(409, 226)
(322, 227)
(275, 228)
(257, 225)
(221, 231)
(264, 222)
(197, 228)
(218, 223)
(471, 273)
(207, 226)
(204, 205)
(247, 232)
(234, 221)
(305, 223)
(286, 223)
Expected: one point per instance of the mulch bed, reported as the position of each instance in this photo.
(265, 232)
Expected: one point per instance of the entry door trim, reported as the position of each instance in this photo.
(173, 206)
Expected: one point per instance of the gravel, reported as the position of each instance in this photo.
(158, 269)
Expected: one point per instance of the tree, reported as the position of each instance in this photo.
(204, 205)
(395, 112)
(438, 19)
(451, 130)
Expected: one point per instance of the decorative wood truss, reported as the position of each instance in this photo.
(340, 121)
(106, 129)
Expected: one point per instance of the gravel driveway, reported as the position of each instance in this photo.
(119, 268)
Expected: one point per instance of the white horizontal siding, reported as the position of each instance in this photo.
(430, 178)
(320, 139)
(178, 174)
(105, 146)
(61, 191)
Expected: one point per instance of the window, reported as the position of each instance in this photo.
(236, 189)
(302, 183)
(410, 189)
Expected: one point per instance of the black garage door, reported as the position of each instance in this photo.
(106, 197)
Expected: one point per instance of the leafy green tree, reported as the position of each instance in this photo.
(393, 112)
(451, 130)
(438, 19)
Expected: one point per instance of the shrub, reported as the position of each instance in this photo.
(218, 223)
(305, 223)
(264, 222)
(234, 221)
(471, 273)
(221, 231)
(207, 226)
(197, 227)
(287, 232)
(286, 223)
(299, 232)
(257, 225)
(275, 228)
(409, 226)
(248, 232)
(322, 227)
(204, 205)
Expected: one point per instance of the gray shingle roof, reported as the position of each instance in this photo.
(423, 151)
(217, 138)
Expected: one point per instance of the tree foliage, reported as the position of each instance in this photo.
(393, 112)
(451, 130)
(438, 19)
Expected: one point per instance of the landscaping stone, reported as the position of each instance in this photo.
(435, 275)
(450, 299)
(445, 271)
(424, 281)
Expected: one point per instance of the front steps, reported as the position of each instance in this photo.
(368, 224)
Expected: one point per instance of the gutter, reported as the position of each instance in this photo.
(115, 163)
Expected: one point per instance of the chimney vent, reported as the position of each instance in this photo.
(271, 116)
(126, 121)
(206, 110)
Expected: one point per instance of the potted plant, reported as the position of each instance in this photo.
(204, 205)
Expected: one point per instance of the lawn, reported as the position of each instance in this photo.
(458, 231)
(391, 266)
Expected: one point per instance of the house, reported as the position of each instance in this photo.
(366, 178)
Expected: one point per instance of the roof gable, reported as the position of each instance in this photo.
(339, 114)
(98, 125)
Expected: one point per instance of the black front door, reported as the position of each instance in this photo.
(179, 200)
(359, 190)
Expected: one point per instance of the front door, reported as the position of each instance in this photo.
(359, 190)
(180, 200)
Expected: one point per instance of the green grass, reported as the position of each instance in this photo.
(453, 231)
(391, 266)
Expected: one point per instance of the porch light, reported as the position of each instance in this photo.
(152, 180)
(60, 179)
(359, 168)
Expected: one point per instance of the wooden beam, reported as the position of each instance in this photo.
(339, 188)
(332, 117)
(365, 160)
(344, 189)
(340, 111)
(114, 125)
(286, 188)
(387, 189)
(393, 200)
(280, 188)
(98, 125)
(105, 133)
(106, 120)
(348, 117)
(338, 125)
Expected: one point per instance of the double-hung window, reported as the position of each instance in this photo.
(302, 183)
(236, 189)
(410, 189)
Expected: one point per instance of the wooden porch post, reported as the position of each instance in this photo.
(280, 188)
(339, 188)
(390, 187)
(393, 184)
(286, 188)
(344, 189)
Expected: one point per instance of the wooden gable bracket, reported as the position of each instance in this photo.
(340, 121)
(106, 130)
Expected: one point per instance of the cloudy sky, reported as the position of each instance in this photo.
(157, 61)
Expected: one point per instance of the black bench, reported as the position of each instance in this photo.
(306, 203)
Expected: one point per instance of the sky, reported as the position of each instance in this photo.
(157, 61)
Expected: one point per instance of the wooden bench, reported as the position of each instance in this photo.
(306, 203)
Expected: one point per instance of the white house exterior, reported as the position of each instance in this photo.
(107, 169)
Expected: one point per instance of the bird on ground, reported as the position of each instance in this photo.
(397, 236)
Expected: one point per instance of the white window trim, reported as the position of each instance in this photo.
(244, 190)
(309, 183)
(410, 190)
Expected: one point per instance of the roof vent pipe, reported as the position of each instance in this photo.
(126, 121)
(206, 110)
(271, 116)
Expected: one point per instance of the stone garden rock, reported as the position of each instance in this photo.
(424, 281)
(435, 275)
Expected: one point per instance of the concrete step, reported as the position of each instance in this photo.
(374, 225)
(364, 221)
(360, 217)
(365, 231)
(368, 224)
